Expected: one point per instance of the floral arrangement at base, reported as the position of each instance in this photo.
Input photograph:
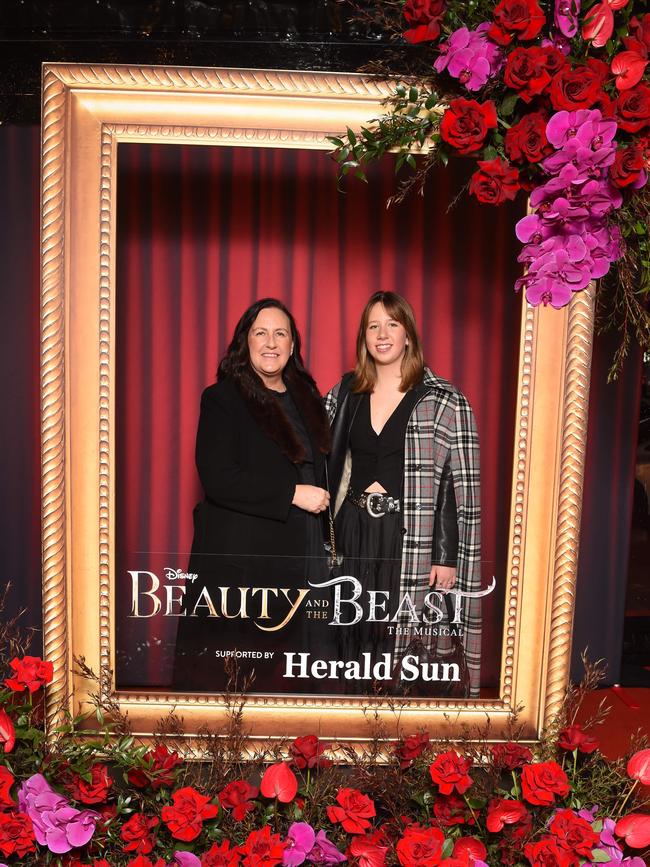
(550, 99)
(92, 795)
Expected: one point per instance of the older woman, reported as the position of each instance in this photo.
(404, 468)
(261, 442)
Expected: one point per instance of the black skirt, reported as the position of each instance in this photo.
(372, 553)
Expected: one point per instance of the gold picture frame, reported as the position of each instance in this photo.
(87, 111)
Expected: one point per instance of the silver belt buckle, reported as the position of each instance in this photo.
(369, 501)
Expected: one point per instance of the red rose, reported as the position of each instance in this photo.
(547, 853)
(502, 811)
(424, 16)
(6, 782)
(541, 782)
(411, 748)
(510, 755)
(185, 818)
(137, 835)
(526, 72)
(465, 124)
(238, 797)
(420, 846)
(633, 108)
(469, 849)
(573, 738)
(7, 731)
(494, 182)
(16, 834)
(638, 767)
(30, 672)
(353, 811)
(521, 18)
(449, 772)
(262, 849)
(574, 833)
(640, 30)
(158, 769)
(367, 852)
(220, 856)
(572, 89)
(526, 142)
(306, 752)
(635, 829)
(451, 810)
(143, 861)
(554, 60)
(93, 791)
(280, 782)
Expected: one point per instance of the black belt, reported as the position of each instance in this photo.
(375, 503)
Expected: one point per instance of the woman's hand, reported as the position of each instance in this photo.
(442, 577)
(311, 499)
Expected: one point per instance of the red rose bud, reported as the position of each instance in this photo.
(449, 771)
(137, 833)
(573, 738)
(353, 811)
(411, 748)
(424, 16)
(280, 782)
(541, 782)
(628, 168)
(510, 755)
(30, 672)
(494, 182)
(635, 830)
(306, 752)
(638, 767)
(526, 142)
(7, 731)
(521, 18)
(96, 790)
(466, 123)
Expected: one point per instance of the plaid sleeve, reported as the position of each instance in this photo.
(331, 401)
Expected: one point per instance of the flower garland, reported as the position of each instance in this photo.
(550, 98)
(417, 804)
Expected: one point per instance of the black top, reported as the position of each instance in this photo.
(306, 469)
(379, 457)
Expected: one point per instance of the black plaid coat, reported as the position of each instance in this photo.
(441, 425)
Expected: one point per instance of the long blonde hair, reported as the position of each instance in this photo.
(365, 371)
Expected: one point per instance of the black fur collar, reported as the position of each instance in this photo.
(273, 421)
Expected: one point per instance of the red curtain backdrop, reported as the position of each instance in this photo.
(202, 233)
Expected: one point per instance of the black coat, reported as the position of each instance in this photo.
(246, 531)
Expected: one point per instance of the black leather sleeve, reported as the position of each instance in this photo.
(445, 531)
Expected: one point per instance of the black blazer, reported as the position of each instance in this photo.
(248, 481)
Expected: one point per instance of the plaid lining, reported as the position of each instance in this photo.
(441, 424)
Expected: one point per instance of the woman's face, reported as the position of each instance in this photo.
(270, 344)
(386, 338)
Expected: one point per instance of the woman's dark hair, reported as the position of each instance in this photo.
(398, 308)
(236, 366)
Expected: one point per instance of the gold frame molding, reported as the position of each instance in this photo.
(87, 111)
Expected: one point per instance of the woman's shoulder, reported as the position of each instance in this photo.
(440, 388)
(224, 391)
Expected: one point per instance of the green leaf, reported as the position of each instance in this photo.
(598, 856)
(352, 137)
(490, 153)
(431, 102)
(400, 90)
(413, 94)
(447, 848)
(337, 142)
(410, 159)
(508, 104)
